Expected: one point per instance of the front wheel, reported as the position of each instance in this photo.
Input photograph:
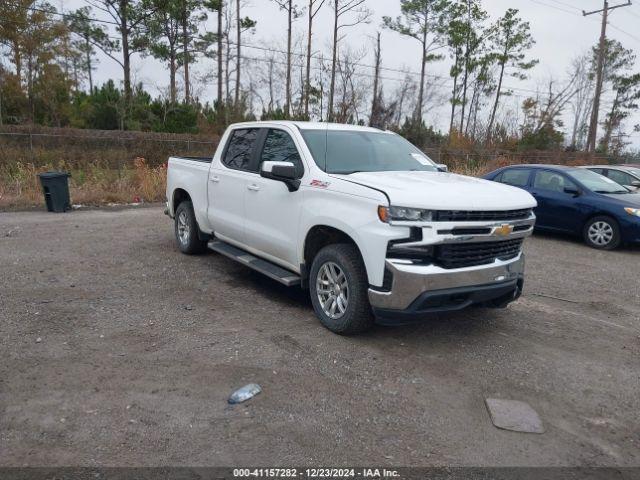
(602, 232)
(186, 230)
(339, 290)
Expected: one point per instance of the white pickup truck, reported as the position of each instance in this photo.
(361, 217)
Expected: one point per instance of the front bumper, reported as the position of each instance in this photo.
(630, 230)
(420, 289)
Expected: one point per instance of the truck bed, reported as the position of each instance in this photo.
(190, 175)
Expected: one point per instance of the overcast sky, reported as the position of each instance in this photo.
(560, 31)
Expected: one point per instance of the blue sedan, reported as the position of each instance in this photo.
(578, 201)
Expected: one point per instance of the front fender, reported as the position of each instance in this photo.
(357, 217)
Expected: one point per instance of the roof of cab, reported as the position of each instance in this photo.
(308, 125)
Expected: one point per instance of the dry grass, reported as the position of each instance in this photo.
(105, 166)
(92, 185)
(478, 165)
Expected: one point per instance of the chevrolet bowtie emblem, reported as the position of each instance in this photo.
(503, 230)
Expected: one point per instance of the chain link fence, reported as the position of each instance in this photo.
(116, 150)
(109, 150)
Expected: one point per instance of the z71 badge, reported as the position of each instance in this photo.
(319, 184)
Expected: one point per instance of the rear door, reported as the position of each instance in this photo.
(272, 211)
(557, 209)
(228, 180)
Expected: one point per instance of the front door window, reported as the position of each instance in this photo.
(280, 147)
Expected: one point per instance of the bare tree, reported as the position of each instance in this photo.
(268, 71)
(359, 13)
(220, 6)
(583, 101)
(375, 104)
(406, 90)
(229, 17)
(544, 110)
(292, 14)
(351, 91)
(242, 24)
(190, 18)
(238, 51)
(209, 38)
(312, 10)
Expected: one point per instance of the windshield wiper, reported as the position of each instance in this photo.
(615, 192)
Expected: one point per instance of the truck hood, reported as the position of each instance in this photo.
(443, 191)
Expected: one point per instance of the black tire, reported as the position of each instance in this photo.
(187, 233)
(605, 242)
(357, 316)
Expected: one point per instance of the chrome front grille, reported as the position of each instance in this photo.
(465, 239)
(480, 216)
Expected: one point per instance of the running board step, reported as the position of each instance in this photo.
(265, 267)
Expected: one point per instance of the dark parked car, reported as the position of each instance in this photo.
(625, 175)
(578, 201)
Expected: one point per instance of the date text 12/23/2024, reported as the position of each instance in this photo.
(315, 473)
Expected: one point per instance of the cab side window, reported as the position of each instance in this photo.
(280, 147)
(240, 148)
(518, 177)
(546, 180)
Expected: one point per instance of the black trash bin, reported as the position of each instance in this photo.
(55, 186)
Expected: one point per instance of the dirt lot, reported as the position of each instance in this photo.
(118, 350)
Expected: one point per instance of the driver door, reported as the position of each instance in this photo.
(272, 212)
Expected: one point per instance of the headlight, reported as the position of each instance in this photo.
(404, 214)
(633, 211)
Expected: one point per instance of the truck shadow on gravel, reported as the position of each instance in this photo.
(275, 291)
(471, 323)
(466, 323)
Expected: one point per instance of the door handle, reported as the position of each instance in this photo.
(253, 187)
(214, 179)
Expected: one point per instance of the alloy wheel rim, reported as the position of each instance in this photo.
(333, 290)
(183, 228)
(601, 233)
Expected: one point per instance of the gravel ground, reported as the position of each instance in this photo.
(118, 350)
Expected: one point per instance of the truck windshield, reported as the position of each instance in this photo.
(346, 152)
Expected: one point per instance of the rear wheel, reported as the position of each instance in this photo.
(186, 230)
(339, 290)
(602, 232)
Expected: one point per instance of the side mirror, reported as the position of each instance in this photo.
(282, 171)
(572, 191)
(442, 167)
(635, 184)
